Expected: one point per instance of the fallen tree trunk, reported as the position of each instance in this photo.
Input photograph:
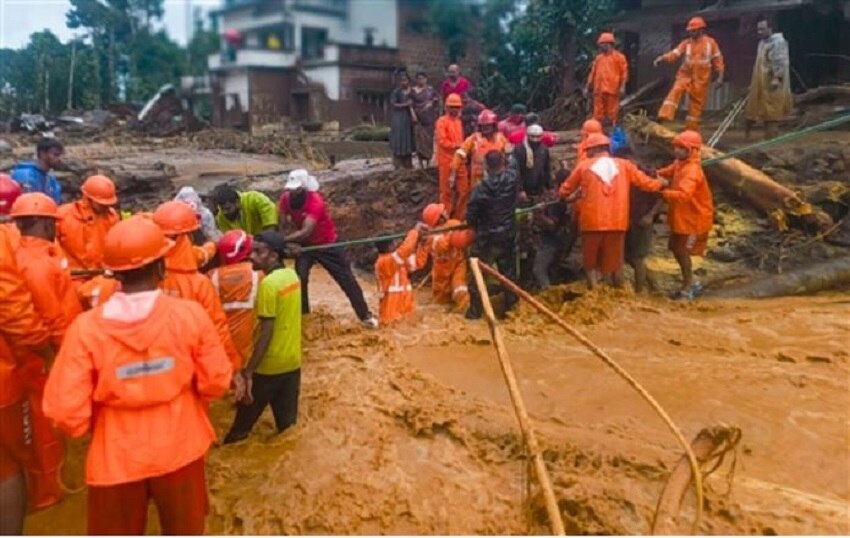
(737, 177)
(840, 91)
(811, 279)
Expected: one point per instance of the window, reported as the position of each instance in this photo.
(313, 41)
(281, 37)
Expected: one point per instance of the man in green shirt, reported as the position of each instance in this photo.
(250, 211)
(273, 374)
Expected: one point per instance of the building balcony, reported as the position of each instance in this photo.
(337, 8)
(251, 58)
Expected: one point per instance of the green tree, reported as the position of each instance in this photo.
(154, 60)
(538, 49)
(451, 19)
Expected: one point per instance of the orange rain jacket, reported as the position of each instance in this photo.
(448, 135)
(605, 203)
(140, 387)
(699, 59)
(44, 267)
(21, 328)
(610, 71)
(691, 208)
(473, 149)
(81, 233)
(182, 279)
(394, 289)
(448, 267)
(237, 287)
(12, 233)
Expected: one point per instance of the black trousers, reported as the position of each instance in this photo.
(498, 250)
(335, 262)
(280, 392)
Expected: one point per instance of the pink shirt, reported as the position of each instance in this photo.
(460, 87)
(314, 207)
(509, 128)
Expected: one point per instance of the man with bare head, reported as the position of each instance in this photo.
(455, 82)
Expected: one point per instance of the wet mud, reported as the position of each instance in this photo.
(410, 430)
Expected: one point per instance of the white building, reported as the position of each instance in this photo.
(309, 60)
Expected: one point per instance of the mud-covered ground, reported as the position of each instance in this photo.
(409, 429)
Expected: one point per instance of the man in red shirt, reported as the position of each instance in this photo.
(454, 82)
(308, 214)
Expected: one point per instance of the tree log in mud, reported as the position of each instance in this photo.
(782, 205)
(808, 280)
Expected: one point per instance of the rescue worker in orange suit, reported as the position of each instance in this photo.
(690, 208)
(9, 192)
(42, 263)
(22, 333)
(182, 278)
(83, 224)
(448, 263)
(473, 150)
(700, 57)
(237, 282)
(395, 293)
(587, 128)
(137, 372)
(604, 182)
(45, 270)
(607, 80)
(448, 134)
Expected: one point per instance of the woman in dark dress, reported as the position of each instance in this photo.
(426, 102)
(401, 128)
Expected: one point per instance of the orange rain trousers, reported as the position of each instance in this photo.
(391, 273)
(448, 268)
(448, 136)
(609, 73)
(180, 498)
(699, 59)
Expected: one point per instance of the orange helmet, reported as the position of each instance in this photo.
(100, 189)
(234, 246)
(176, 217)
(597, 139)
(462, 239)
(591, 126)
(605, 37)
(487, 117)
(454, 100)
(688, 140)
(34, 204)
(432, 213)
(9, 192)
(696, 23)
(134, 243)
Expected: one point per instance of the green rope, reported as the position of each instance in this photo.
(376, 239)
(793, 135)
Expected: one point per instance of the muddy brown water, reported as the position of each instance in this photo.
(409, 429)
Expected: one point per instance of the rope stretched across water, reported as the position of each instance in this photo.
(793, 135)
